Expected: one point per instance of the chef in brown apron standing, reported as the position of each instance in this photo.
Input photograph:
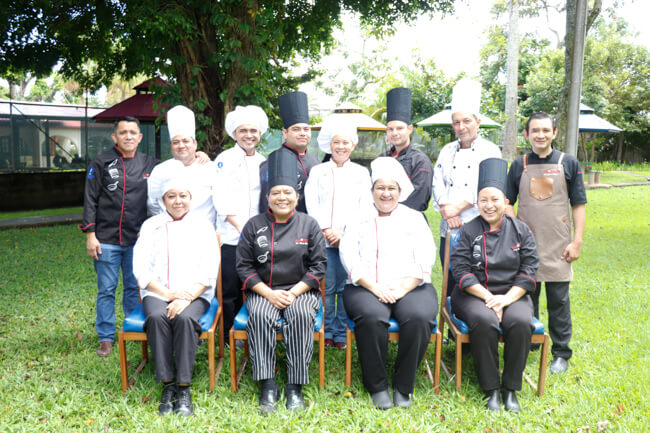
(551, 193)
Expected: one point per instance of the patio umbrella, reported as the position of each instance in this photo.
(352, 113)
(443, 118)
(589, 122)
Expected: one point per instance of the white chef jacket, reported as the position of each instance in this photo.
(337, 196)
(455, 176)
(178, 254)
(239, 177)
(387, 249)
(202, 179)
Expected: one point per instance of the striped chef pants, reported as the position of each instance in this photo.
(297, 329)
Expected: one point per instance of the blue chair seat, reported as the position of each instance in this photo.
(463, 328)
(393, 326)
(241, 319)
(134, 322)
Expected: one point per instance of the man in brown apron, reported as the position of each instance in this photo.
(551, 192)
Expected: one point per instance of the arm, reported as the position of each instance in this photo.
(422, 179)
(316, 259)
(246, 262)
(572, 251)
(460, 261)
(91, 196)
(154, 193)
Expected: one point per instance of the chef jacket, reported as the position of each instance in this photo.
(387, 249)
(455, 176)
(178, 254)
(496, 259)
(201, 177)
(305, 163)
(418, 168)
(337, 196)
(239, 194)
(281, 254)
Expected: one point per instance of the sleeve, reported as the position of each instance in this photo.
(245, 258)
(264, 186)
(514, 177)
(317, 257)
(349, 251)
(208, 256)
(460, 260)
(92, 190)
(440, 190)
(575, 181)
(424, 249)
(312, 198)
(421, 178)
(528, 260)
(144, 255)
(154, 191)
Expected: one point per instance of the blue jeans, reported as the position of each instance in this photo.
(108, 268)
(335, 317)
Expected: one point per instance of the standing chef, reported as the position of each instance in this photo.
(398, 135)
(238, 171)
(455, 176)
(551, 193)
(294, 110)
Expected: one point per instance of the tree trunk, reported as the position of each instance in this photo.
(510, 135)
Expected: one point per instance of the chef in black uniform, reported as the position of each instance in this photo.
(495, 263)
(281, 258)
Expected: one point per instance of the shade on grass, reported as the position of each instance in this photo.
(51, 379)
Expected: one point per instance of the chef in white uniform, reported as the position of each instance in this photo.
(238, 171)
(337, 193)
(455, 175)
(202, 176)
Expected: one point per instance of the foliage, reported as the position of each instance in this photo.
(53, 380)
(216, 54)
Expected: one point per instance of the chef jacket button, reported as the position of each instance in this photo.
(473, 149)
(469, 166)
(454, 166)
(465, 184)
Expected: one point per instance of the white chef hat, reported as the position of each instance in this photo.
(466, 97)
(332, 126)
(177, 180)
(180, 122)
(248, 115)
(388, 168)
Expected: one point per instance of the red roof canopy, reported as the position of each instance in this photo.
(139, 105)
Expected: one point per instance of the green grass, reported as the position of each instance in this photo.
(52, 380)
(42, 212)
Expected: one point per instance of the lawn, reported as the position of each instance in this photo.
(53, 381)
(43, 212)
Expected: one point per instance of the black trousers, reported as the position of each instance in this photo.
(484, 335)
(415, 313)
(232, 286)
(173, 339)
(451, 282)
(559, 316)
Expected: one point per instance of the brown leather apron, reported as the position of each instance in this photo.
(544, 207)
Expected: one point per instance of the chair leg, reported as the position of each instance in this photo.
(459, 363)
(123, 371)
(542, 366)
(348, 357)
(321, 359)
(436, 364)
(233, 362)
(211, 373)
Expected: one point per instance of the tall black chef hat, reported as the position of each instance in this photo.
(282, 169)
(294, 108)
(493, 172)
(398, 105)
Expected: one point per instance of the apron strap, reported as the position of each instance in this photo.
(525, 162)
(559, 163)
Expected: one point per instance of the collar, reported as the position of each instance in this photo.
(121, 154)
(241, 152)
(294, 150)
(271, 218)
(403, 151)
(471, 146)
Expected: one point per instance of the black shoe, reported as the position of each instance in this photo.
(382, 400)
(268, 399)
(295, 401)
(183, 404)
(535, 347)
(510, 401)
(559, 365)
(167, 399)
(401, 400)
(493, 401)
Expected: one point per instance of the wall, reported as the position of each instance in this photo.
(27, 191)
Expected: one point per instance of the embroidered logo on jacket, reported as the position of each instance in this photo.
(91, 172)
(112, 186)
(516, 247)
(264, 257)
(262, 241)
(114, 173)
(302, 241)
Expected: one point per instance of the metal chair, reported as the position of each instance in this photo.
(132, 330)
(460, 330)
(238, 332)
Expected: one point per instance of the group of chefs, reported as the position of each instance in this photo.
(288, 222)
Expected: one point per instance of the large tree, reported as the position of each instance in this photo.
(215, 53)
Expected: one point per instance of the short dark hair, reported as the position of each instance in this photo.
(125, 119)
(539, 115)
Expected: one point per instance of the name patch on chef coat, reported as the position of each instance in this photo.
(551, 172)
(516, 247)
(302, 241)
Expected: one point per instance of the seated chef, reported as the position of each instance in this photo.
(281, 258)
(389, 256)
(495, 263)
(174, 262)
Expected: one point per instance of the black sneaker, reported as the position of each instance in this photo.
(183, 404)
(167, 399)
